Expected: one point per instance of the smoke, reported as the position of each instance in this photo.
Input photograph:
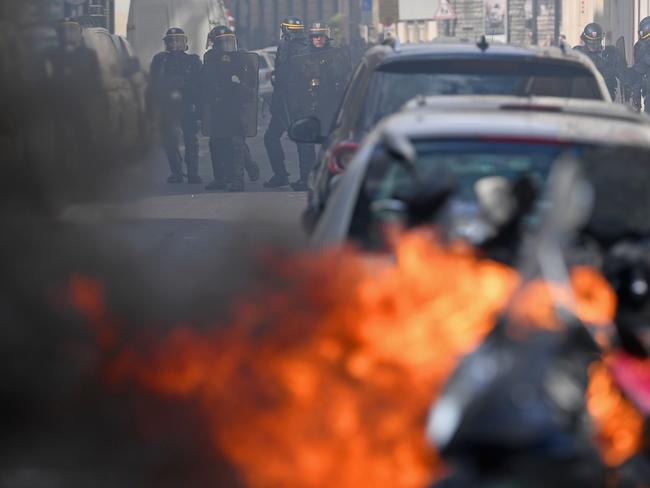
(60, 426)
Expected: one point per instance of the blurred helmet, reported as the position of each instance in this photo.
(593, 37)
(644, 28)
(223, 39)
(69, 33)
(175, 40)
(292, 27)
(320, 29)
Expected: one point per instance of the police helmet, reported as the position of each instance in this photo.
(175, 39)
(644, 28)
(223, 39)
(292, 27)
(69, 33)
(320, 29)
(593, 37)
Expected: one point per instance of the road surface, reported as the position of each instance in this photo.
(176, 228)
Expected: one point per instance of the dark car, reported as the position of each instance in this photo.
(387, 78)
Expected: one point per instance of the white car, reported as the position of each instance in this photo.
(267, 67)
(468, 139)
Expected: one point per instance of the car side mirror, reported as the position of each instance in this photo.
(306, 130)
(132, 67)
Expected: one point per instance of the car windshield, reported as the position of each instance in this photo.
(396, 83)
(463, 162)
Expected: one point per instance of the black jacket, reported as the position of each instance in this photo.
(175, 81)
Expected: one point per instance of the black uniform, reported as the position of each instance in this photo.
(73, 73)
(609, 63)
(280, 117)
(174, 92)
(230, 95)
(640, 73)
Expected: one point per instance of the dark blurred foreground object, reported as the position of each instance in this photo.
(515, 410)
(174, 98)
(72, 111)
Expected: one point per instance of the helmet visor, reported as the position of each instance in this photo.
(70, 33)
(593, 44)
(176, 42)
(225, 43)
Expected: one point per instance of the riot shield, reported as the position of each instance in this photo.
(230, 86)
(317, 81)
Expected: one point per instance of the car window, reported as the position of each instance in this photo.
(395, 84)
(463, 162)
(263, 63)
(352, 102)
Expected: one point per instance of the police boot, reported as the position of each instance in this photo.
(236, 186)
(253, 170)
(175, 178)
(277, 181)
(300, 185)
(217, 185)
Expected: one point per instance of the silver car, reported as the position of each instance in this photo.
(468, 139)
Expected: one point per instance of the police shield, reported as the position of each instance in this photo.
(316, 84)
(230, 94)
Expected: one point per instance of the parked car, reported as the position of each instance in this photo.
(387, 78)
(505, 137)
(124, 82)
(267, 67)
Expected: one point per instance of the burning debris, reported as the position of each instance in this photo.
(324, 376)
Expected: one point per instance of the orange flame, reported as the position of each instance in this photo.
(326, 379)
(619, 425)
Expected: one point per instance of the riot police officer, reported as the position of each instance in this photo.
(71, 70)
(174, 93)
(70, 60)
(230, 82)
(293, 42)
(320, 39)
(641, 68)
(606, 58)
(320, 77)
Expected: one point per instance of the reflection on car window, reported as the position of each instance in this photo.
(394, 85)
(463, 162)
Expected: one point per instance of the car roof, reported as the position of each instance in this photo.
(467, 121)
(467, 49)
(567, 106)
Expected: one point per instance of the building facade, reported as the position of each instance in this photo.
(258, 21)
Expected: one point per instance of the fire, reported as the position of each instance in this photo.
(325, 377)
(619, 425)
